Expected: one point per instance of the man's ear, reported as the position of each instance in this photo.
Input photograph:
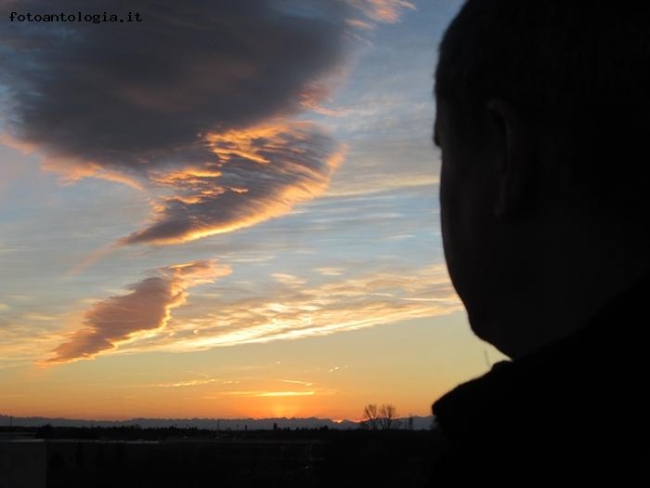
(516, 159)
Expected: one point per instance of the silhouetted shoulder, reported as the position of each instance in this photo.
(573, 412)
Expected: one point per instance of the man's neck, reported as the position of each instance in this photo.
(574, 283)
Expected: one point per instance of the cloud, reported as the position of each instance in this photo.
(188, 99)
(284, 394)
(198, 99)
(136, 95)
(293, 310)
(266, 394)
(188, 383)
(146, 308)
(330, 271)
(19, 342)
(385, 11)
(261, 173)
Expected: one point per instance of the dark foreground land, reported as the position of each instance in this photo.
(159, 458)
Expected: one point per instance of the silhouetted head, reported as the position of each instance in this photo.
(543, 118)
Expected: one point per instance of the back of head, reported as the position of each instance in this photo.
(578, 72)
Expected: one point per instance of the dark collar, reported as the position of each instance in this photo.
(600, 371)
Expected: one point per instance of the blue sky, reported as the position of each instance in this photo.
(266, 245)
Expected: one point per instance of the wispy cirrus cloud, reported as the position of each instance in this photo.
(274, 394)
(20, 341)
(147, 308)
(265, 388)
(187, 383)
(293, 310)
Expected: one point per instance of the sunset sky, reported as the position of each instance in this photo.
(229, 209)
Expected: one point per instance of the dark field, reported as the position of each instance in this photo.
(159, 458)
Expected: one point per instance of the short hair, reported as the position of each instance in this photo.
(578, 71)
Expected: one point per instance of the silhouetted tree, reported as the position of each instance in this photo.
(371, 416)
(387, 416)
(379, 417)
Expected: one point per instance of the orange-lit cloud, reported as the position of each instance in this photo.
(294, 311)
(147, 308)
(185, 384)
(261, 173)
(386, 11)
(273, 391)
(21, 341)
(271, 394)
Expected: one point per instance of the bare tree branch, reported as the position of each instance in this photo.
(371, 416)
(383, 417)
(387, 416)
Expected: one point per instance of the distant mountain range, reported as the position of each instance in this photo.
(419, 423)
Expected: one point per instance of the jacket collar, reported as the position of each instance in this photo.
(602, 363)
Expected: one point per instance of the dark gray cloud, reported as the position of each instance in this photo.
(139, 94)
(195, 104)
